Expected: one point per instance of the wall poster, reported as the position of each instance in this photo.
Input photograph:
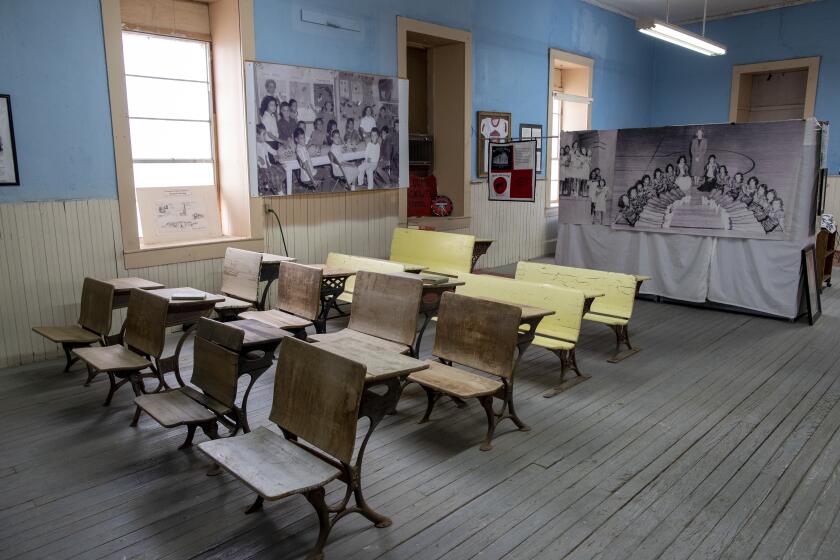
(722, 180)
(313, 130)
(8, 154)
(513, 174)
(491, 126)
(533, 131)
(178, 214)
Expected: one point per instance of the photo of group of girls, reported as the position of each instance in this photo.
(582, 180)
(325, 131)
(715, 178)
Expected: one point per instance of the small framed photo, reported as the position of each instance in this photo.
(812, 285)
(491, 126)
(8, 154)
(533, 132)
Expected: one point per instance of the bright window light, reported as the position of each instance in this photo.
(170, 110)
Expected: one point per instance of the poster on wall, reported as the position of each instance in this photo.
(529, 131)
(492, 126)
(8, 154)
(178, 214)
(512, 175)
(312, 130)
(725, 180)
(585, 171)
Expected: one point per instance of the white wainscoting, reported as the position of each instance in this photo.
(47, 248)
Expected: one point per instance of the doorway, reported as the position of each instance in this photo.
(774, 91)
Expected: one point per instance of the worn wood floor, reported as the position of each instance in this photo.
(719, 440)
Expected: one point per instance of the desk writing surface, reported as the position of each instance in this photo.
(529, 312)
(381, 364)
(332, 271)
(270, 259)
(257, 332)
(124, 285)
(169, 292)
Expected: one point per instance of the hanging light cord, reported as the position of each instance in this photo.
(705, 7)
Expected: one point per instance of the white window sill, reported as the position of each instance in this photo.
(199, 250)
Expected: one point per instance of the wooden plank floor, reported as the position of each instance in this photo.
(718, 440)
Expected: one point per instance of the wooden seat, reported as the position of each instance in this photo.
(112, 358)
(240, 282)
(456, 382)
(94, 321)
(557, 333)
(298, 297)
(144, 338)
(614, 309)
(356, 264)
(443, 253)
(482, 335)
(385, 307)
(216, 356)
(316, 405)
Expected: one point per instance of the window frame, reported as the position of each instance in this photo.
(242, 223)
(811, 64)
(555, 55)
(211, 120)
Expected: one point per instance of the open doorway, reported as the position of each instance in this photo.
(437, 61)
(774, 91)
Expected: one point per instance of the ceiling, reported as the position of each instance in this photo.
(691, 10)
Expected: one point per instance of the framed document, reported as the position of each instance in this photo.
(8, 154)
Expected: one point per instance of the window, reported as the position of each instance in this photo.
(168, 89)
(570, 104)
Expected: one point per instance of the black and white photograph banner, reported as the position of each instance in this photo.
(313, 130)
(724, 180)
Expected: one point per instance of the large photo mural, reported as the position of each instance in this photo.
(727, 180)
(313, 130)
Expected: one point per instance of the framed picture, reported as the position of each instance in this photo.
(812, 286)
(8, 154)
(533, 132)
(491, 126)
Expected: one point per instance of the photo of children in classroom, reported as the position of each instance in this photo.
(320, 131)
(584, 175)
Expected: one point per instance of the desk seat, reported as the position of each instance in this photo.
(456, 382)
(268, 463)
(231, 304)
(112, 358)
(606, 319)
(553, 343)
(277, 318)
(356, 336)
(174, 408)
(72, 334)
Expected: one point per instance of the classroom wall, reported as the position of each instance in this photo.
(510, 49)
(53, 66)
(691, 88)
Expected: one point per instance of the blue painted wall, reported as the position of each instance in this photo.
(691, 88)
(510, 49)
(53, 66)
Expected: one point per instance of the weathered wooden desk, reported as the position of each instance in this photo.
(434, 286)
(332, 284)
(184, 312)
(123, 287)
(269, 272)
(256, 356)
(386, 369)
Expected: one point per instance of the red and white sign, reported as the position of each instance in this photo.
(512, 174)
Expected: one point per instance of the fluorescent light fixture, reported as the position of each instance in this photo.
(679, 36)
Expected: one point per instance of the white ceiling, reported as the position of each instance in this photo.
(691, 10)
